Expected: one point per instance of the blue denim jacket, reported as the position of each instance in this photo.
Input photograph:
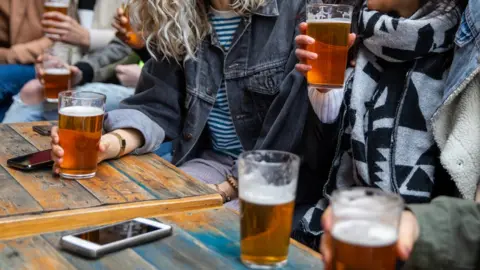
(267, 97)
(466, 64)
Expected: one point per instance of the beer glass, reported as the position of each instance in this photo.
(133, 39)
(80, 129)
(56, 5)
(365, 229)
(330, 26)
(55, 73)
(267, 187)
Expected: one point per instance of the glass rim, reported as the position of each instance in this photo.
(243, 156)
(99, 96)
(331, 5)
(393, 198)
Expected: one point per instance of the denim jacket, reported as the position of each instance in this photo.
(267, 97)
(456, 124)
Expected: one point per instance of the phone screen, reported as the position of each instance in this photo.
(32, 160)
(117, 232)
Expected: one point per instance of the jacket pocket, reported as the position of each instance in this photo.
(267, 80)
(466, 33)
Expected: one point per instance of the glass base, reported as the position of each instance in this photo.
(52, 100)
(77, 176)
(253, 265)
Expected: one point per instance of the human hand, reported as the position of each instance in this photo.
(105, 149)
(32, 92)
(77, 74)
(407, 236)
(125, 32)
(128, 74)
(65, 29)
(303, 54)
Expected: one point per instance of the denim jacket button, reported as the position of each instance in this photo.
(209, 91)
(187, 136)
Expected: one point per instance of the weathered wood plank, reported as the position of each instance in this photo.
(31, 253)
(25, 225)
(219, 230)
(160, 177)
(26, 131)
(51, 193)
(125, 259)
(109, 186)
(14, 199)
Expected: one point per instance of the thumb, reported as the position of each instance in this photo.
(407, 236)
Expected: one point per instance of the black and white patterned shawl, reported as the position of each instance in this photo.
(386, 138)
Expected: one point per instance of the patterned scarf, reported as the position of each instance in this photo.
(386, 138)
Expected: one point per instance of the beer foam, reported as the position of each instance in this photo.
(56, 4)
(252, 190)
(57, 71)
(81, 111)
(338, 20)
(364, 233)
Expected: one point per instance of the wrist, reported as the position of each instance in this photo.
(86, 38)
(114, 145)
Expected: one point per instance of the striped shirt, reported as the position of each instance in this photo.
(222, 131)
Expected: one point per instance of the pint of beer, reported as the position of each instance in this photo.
(56, 5)
(55, 74)
(365, 231)
(267, 187)
(329, 25)
(80, 129)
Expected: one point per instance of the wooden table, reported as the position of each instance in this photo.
(201, 240)
(37, 202)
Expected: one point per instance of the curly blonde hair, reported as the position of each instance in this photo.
(174, 28)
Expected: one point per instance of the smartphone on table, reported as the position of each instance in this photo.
(98, 242)
(43, 130)
(31, 162)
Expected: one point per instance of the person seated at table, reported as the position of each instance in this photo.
(222, 81)
(96, 67)
(21, 42)
(444, 234)
(377, 130)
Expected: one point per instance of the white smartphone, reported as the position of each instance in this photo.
(98, 242)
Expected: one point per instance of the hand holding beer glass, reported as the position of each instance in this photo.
(125, 31)
(80, 128)
(267, 189)
(361, 229)
(54, 73)
(324, 50)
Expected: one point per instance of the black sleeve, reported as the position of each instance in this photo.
(86, 4)
(87, 72)
(143, 54)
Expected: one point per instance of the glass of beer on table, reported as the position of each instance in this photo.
(80, 129)
(55, 73)
(56, 5)
(267, 187)
(330, 26)
(365, 229)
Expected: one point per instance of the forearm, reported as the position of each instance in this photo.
(133, 139)
(449, 235)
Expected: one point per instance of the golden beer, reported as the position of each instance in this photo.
(51, 6)
(331, 45)
(364, 245)
(265, 232)
(80, 130)
(56, 80)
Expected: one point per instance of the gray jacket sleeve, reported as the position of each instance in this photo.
(449, 235)
(102, 62)
(155, 110)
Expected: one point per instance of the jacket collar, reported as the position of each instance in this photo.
(268, 10)
(474, 15)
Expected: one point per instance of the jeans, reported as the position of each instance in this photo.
(20, 112)
(12, 79)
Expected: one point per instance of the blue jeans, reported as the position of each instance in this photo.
(12, 79)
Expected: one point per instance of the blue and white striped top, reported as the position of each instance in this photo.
(222, 131)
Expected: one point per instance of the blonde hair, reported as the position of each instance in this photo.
(175, 28)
